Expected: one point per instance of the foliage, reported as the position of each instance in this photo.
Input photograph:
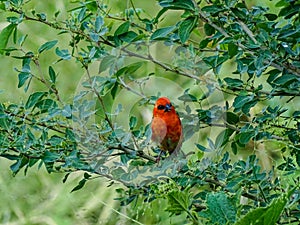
(239, 113)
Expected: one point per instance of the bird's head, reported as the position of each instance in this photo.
(163, 106)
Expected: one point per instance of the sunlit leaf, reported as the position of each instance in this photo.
(186, 27)
(63, 54)
(47, 46)
(162, 32)
(33, 99)
(220, 209)
(5, 35)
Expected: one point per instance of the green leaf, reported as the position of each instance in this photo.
(231, 118)
(34, 98)
(178, 4)
(179, 201)
(21, 162)
(123, 28)
(80, 185)
(2, 6)
(52, 74)
(23, 77)
(70, 135)
(129, 36)
(118, 172)
(220, 209)
(107, 62)
(63, 54)
(245, 137)
(232, 82)
(208, 29)
(187, 98)
(67, 111)
(4, 36)
(114, 90)
(241, 100)
(289, 11)
(239, 13)
(5, 122)
(230, 3)
(246, 107)
(92, 53)
(81, 14)
(46, 104)
(22, 39)
(99, 22)
(215, 60)
(55, 140)
(232, 50)
(296, 114)
(107, 86)
(50, 157)
(223, 138)
(92, 6)
(213, 9)
(286, 79)
(87, 175)
(202, 148)
(47, 46)
(41, 16)
(130, 69)
(162, 32)
(203, 44)
(273, 74)
(266, 215)
(132, 122)
(66, 177)
(186, 27)
(271, 16)
(73, 160)
(94, 36)
(159, 14)
(234, 148)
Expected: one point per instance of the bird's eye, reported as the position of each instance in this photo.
(161, 107)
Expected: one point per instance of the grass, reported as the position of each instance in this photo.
(40, 198)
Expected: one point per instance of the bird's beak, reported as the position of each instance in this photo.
(168, 107)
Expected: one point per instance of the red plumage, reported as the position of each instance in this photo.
(166, 126)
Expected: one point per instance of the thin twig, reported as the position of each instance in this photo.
(98, 97)
(127, 87)
(44, 80)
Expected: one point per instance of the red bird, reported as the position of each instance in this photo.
(166, 126)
